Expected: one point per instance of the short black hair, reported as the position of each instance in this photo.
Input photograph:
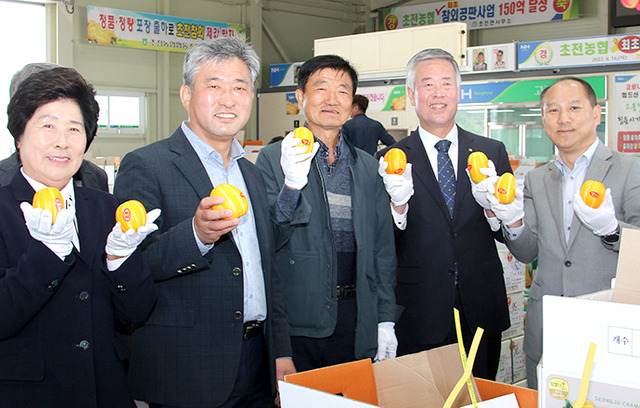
(326, 61)
(591, 94)
(361, 102)
(48, 86)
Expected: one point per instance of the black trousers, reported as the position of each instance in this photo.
(252, 388)
(310, 353)
(487, 357)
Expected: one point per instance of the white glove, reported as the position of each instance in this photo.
(398, 186)
(479, 190)
(58, 237)
(123, 244)
(602, 220)
(295, 163)
(506, 213)
(387, 341)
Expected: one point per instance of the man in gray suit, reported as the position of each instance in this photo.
(89, 175)
(218, 333)
(576, 245)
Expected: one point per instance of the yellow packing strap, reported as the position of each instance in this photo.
(586, 377)
(467, 370)
(463, 356)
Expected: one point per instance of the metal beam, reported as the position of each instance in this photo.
(267, 30)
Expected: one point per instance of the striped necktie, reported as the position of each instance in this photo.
(446, 175)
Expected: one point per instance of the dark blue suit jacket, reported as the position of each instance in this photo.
(364, 133)
(58, 344)
(188, 352)
(433, 243)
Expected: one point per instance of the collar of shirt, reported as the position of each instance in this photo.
(206, 152)
(323, 151)
(67, 191)
(429, 141)
(582, 162)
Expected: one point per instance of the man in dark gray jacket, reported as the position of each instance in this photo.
(335, 248)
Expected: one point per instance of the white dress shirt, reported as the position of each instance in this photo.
(429, 141)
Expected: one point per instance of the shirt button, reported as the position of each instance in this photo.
(84, 345)
(236, 271)
(237, 314)
(567, 263)
(84, 295)
(291, 261)
(121, 288)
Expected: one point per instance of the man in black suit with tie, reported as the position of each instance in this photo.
(218, 334)
(445, 245)
(89, 174)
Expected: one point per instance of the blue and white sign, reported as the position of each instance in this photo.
(284, 74)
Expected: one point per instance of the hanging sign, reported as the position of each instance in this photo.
(122, 28)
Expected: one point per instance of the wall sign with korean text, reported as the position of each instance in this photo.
(122, 28)
(580, 52)
(479, 14)
(627, 113)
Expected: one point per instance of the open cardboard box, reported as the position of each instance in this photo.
(422, 380)
(611, 320)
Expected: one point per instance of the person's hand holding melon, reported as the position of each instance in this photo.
(133, 224)
(397, 178)
(482, 173)
(297, 149)
(49, 222)
(507, 201)
(601, 220)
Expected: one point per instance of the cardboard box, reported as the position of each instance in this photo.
(572, 324)
(422, 380)
(526, 397)
(516, 315)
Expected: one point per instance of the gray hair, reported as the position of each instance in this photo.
(429, 54)
(218, 50)
(26, 72)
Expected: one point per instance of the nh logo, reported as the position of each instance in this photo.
(466, 94)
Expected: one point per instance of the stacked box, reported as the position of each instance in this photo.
(512, 366)
(513, 271)
(516, 314)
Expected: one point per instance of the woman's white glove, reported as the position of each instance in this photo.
(57, 236)
(387, 341)
(479, 190)
(602, 220)
(398, 186)
(123, 244)
(295, 163)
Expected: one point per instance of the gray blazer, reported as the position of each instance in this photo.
(584, 265)
(188, 352)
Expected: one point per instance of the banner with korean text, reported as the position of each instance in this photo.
(478, 14)
(384, 98)
(122, 28)
(579, 52)
(627, 113)
(519, 91)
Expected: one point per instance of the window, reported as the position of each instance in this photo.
(29, 20)
(121, 112)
